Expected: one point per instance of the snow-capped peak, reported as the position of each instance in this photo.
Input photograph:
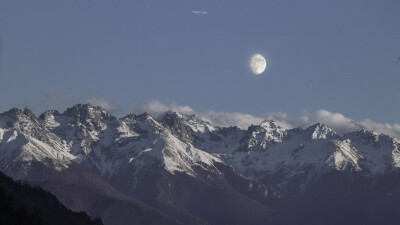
(196, 124)
(92, 137)
(22, 121)
(86, 111)
(320, 131)
(269, 124)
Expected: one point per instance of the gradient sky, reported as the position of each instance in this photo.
(339, 55)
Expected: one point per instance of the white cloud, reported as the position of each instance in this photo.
(107, 105)
(337, 121)
(230, 119)
(391, 129)
(282, 119)
(156, 108)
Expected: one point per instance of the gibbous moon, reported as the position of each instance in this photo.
(258, 64)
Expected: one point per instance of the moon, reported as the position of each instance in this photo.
(258, 64)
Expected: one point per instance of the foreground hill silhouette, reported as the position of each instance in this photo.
(22, 204)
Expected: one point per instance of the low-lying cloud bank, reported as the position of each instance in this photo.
(337, 121)
(225, 119)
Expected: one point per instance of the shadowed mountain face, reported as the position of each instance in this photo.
(24, 204)
(111, 210)
(179, 169)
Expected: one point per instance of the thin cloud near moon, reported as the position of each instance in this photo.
(258, 64)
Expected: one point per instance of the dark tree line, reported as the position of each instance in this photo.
(22, 204)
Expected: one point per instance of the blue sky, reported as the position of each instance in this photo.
(340, 56)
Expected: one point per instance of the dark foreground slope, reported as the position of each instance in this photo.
(23, 204)
(339, 198)
(110, 209)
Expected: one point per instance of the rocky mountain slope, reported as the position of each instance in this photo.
(183, 170)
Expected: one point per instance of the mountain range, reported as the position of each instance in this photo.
(181, 169)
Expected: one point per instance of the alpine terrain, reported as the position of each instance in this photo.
(181, 169)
